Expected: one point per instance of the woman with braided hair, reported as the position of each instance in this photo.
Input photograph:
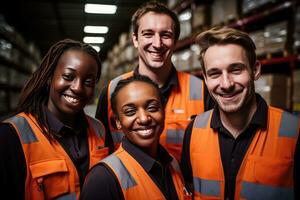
(49, 144)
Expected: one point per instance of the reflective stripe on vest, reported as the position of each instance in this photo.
(71, 196)
(201, 121)
(289, 125)
(127, 180)
(175, 165)
(207, 187)
(24, 128)
(174, 136)
(114, 83)
(97, 126)
(195, 88)
(259, 191)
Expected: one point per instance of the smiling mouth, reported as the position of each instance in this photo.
(145, 132)
(71, 100)
(156, 54)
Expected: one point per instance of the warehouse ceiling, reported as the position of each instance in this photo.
(44, 22)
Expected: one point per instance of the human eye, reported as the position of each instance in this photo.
(89, 82)
(129, 111)
(213, 74)
(153, 107)
(237, 69)
(68, 77)
(167, 35)
(147, 34)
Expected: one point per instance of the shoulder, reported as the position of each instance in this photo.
(101, 177)
(8, 135)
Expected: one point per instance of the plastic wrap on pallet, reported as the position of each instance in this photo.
(275, 37)
(223, 11)
(250, 5)
(259, 40)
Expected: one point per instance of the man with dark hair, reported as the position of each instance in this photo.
(155, 33)
(243, 148)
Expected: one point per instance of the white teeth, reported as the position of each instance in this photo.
(71, 99)
(145, 132)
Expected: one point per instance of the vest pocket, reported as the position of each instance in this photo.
(49, 179)
(273, 171)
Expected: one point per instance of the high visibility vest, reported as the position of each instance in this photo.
(135, 183)
(266, 171)
(184, 101)
(50, 171)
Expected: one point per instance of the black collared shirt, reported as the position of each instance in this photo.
(101, 182)
(73, 140)
(12, 159)
(232, 150)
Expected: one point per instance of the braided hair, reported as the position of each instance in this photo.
(35, 94)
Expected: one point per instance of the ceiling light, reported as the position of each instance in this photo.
(95, 29)
(97, 48)
(100, 8)
(95, 40)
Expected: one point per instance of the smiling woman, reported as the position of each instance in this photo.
(140, 161)
(48, 146)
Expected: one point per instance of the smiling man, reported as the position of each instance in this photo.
(155, 32)
(243, 148)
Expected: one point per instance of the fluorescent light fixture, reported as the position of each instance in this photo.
(97, 48)
(100, 8)
(93, 40)
(95, 29)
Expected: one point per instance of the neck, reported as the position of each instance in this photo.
(237, 122)
(158, 75)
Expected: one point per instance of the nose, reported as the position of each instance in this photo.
(143, 117)
(226, 82)
(76, 86)
(156, 41)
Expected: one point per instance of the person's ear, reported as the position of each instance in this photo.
(256, 70)
(118, 124)
(135, 40)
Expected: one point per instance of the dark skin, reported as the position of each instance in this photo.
(140, 115)
(72, 85)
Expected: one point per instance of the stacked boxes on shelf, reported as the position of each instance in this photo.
(18, 59)
(223, 11)
(296, 92)
(250, 5)
(297, 30)
(276, 36)
(275, 89)
(270, 40)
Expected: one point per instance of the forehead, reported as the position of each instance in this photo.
(155, 20)
(137, 91)
(222, 54)
(79, 59)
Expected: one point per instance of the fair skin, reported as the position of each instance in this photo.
(140, 115)
(155, 42)
(230, 81)
(72, 85)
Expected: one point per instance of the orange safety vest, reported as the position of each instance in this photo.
(266, 171)
(184, 101)
(50, 171)
(135, 183)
